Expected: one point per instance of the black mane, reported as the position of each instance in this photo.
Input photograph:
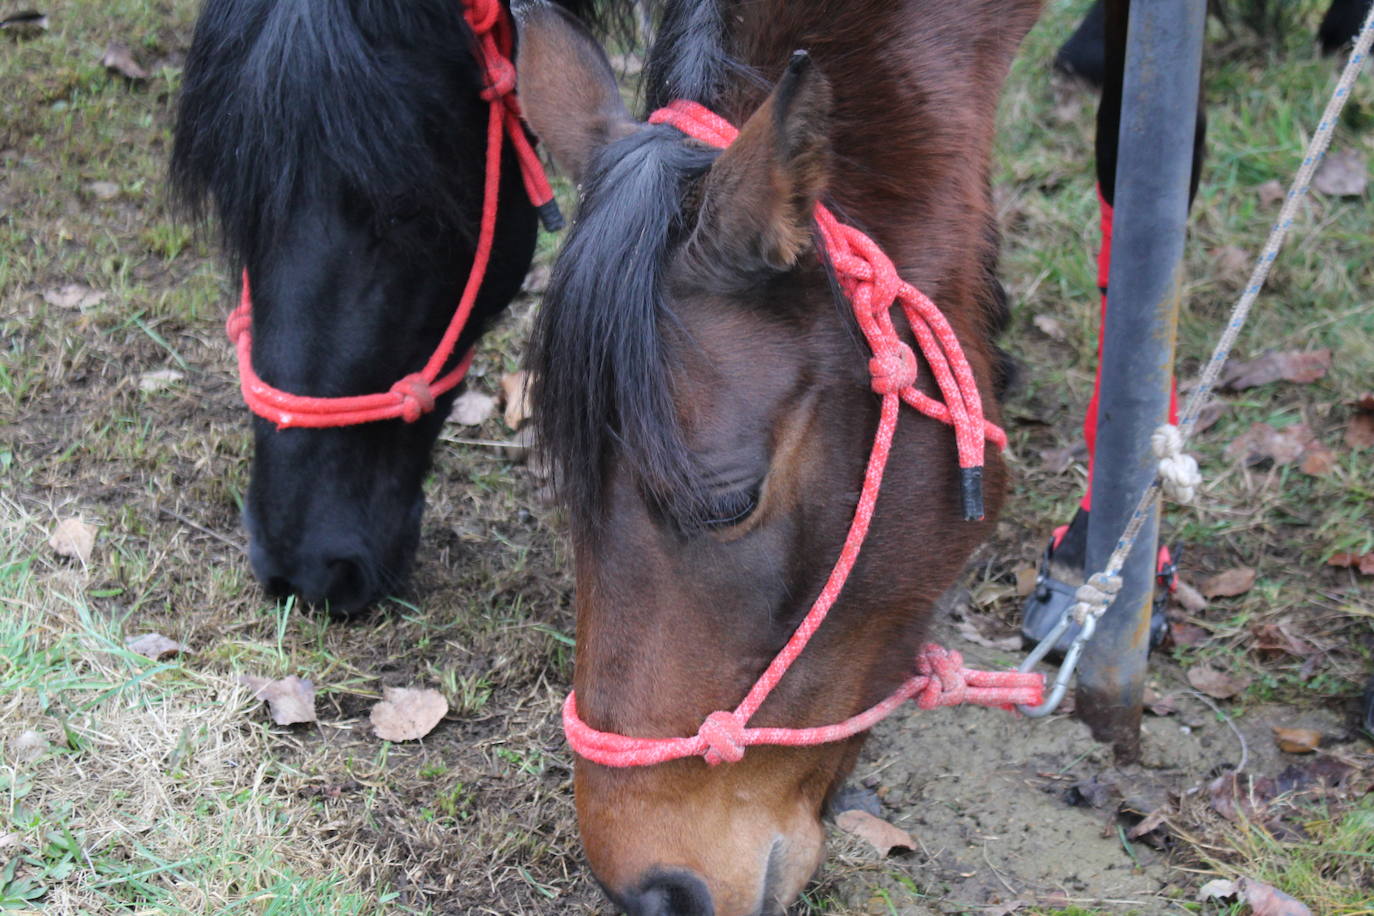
(598, 349)
(270, 84)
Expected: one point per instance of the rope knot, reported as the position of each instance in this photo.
(417, 398)
(943, 670)
(723, 733)
(1094, 597)
(481, 15)
(500, 74)
(240, 322)
(893, 368)
(1178, 471)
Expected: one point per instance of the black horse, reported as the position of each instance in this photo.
(341, 143)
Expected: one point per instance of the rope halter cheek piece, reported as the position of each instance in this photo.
(414, 395)
(873, 286)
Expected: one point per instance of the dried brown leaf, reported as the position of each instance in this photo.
(1364, 562)
(1297, 740)
(1262, 442)
(1273, 638)
(1188, 597)
(1186, 634)
(516, 388)
(103, 190)
(968, 631)
(472, 408)
(1049, 326)
(1269, 193)
(1216, 684)
(1160, 704)
(158, 379)
(119, 59)
(1301, 366)
(1318, 460)
(1217, 887)
(73, 538)
(407, 713)
(878, 833)
(1150, 822)
(1026, 577)
(153, 645)
(290, 700)
(1359, 433)
(1058, 460)
(1341, 174)
(73, 296)
(1229, 583)
(1231, 263)
(1265, 900)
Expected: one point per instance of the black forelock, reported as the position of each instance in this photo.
(280, 95)
(598, 349)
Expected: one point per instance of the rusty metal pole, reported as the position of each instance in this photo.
(1154, 164)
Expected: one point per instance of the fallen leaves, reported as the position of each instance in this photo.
(1058, 460)
(1189, 598)
(1341, 174)
(1229, 583)
(1216, 684)
(878, 833)
(1263, 899)
(1364, 562)
(406, 713)
(153, 645)
(74, 296)
(290, 700)
(158, 379)
(472, 408)
(73, 538)
(119, 59)
(1359, 433)
(1297, 740)
(1301, 366)
(1262, 442)
(970, 632)
(515, 386)
(1049, 326)
(103, 190)
(1269, 193)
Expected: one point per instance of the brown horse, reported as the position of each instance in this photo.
(705, 398)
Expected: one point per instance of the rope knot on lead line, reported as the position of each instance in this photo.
(1094, 597)
(1178, 471)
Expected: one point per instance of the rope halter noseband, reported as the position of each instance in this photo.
(873, 286)
(414, 395)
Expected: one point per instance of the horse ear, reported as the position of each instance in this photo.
(567, 89)
(759, 195)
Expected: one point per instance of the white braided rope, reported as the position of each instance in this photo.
(1094, 596)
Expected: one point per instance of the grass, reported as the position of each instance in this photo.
(160, 787)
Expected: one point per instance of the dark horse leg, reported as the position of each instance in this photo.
(1083, 54)
(1065, 558)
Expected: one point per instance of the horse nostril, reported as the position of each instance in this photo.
(676, 893)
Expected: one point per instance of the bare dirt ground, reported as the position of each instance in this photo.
(138, 786)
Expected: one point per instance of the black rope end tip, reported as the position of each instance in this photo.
(550, 216)
(971, 493)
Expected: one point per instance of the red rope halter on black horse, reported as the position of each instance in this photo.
(414, 395)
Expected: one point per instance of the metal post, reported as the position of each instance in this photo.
(1154, 163)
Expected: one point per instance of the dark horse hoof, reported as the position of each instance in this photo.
(1341, 23)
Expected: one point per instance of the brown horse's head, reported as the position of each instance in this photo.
(706, 400)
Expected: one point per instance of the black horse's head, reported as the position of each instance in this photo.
(341, 143)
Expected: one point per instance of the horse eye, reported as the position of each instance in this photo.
(733, 508)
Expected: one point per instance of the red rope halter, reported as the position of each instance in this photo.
(870, 280)
(414, 395)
